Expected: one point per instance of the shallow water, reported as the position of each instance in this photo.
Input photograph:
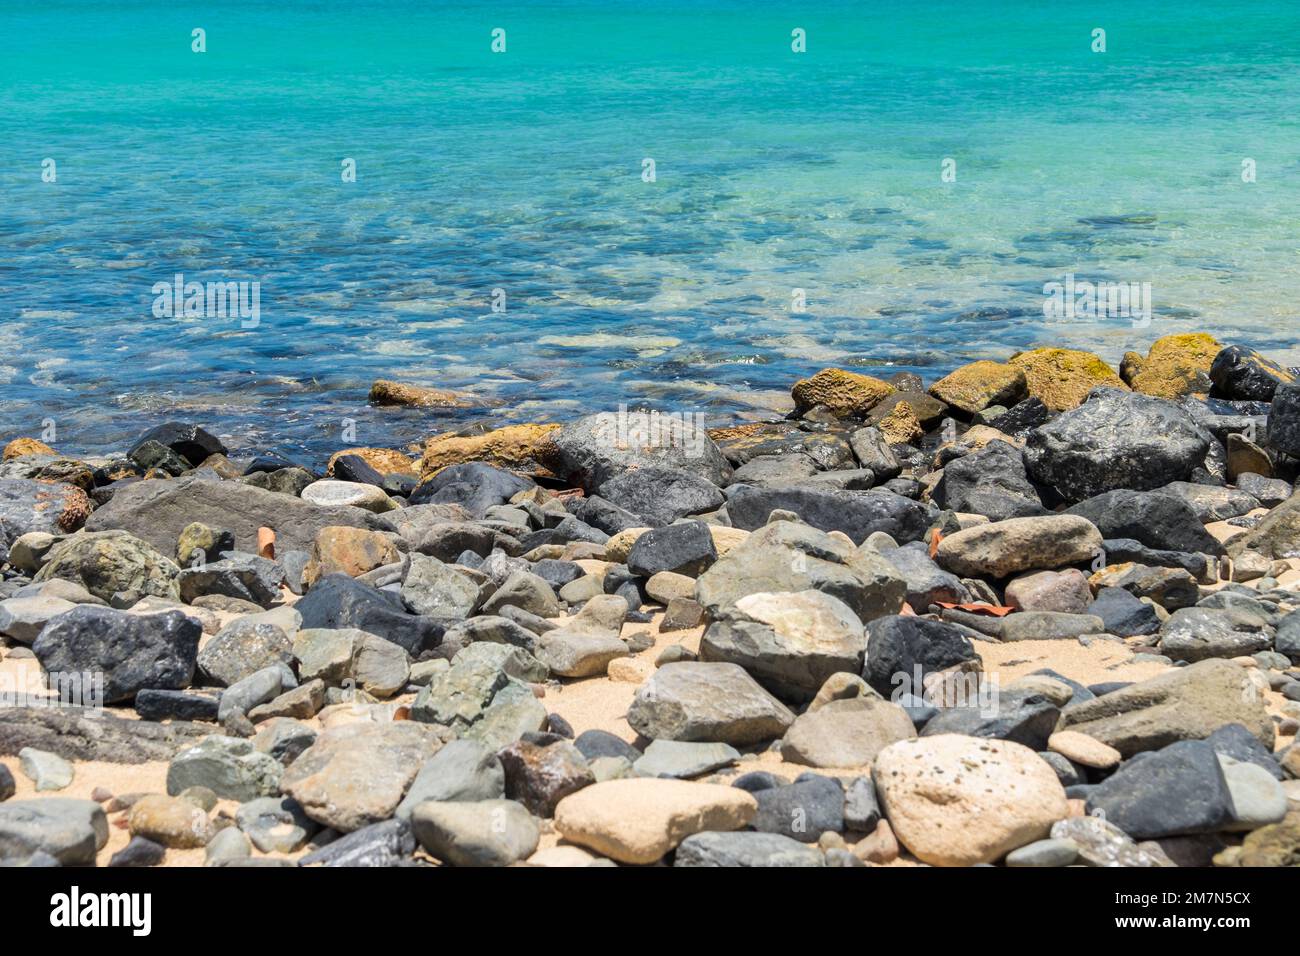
(522, 171)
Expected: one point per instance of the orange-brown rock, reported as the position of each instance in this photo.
(522, 448)
(27, 446)
(1176, 365)
(388, 392)
(386, 461)
(1062, 378)
(843, 393)
(352, 551)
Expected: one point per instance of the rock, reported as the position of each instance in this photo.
(1276, 536)
(1081, 749)
(330, 493)
(959, 801)
(131, 651)
(1099, 842)
(640, 820)
(518, 447)
(594, 744)
(111, 563)
(1210, 502)
(437, 589)
(385, 461)
(1284, 419)
(241, 648)
(1025, 717)
(791, 643)
(477, 698)
(1197, 633)
(1241, 373)
(1115, 440)
(1123, 614)
(384, 392)
(541, 770)
(843, 394)
(683, 760)
(462, 771)
(71, 831)
(594, 449)
(873, 453)
(175, 705)
(357, 774)
(379, 667)
(1002, 548)
(787, 557)
(1176, 365)
(198, 541)
(23, 618)
(743, 849)
(300, 703)
(275, 824)
(1048, 852)
(350, 551)
(90, 734)
(527, 591)
(476, 486)
(585, 645)
(227, 845)
(845, 733)
(1049, 626)
(21, 447)
(54, 508)
(990, 482)
(8, 786)
(856, 513)
(339, 602)
(389, 843)
(45, 770)
(659, 496)
(902, 648)
(190, 441)
(228, 766)
(486, 833)
(710, 702)
(1156, 519)
(978, 385)
(1257, 798)
(685, 548)
(1176, 790)
(139, 852)
(1235, 741)
(1066, 592)
(927, 583)
(1171, 588)
(1062, 378)
(1189, 703)
(169, 821)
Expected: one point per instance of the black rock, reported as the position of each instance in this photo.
(355, 468)
(268, 461)
(558, 726)
(189, 441)
(592, 450)
(1121, 550)
(1242, 373)
(1024, 718)
(474, 485)
(861, 808)
(1115, 440)
(803, 810)
(155, 456)
(1109, 687)
(8, 787)
(1123, 614)
(1284, 420)
(1178, 789)
(608, 517)
(1270, 492)
(1021, 417)
(131, 651)
(567, 530)
(1069, 773)
(139, 852)
(659, 496)
(1081, 693)
(927, 583)
(990, 482)
(388, 843)
(899, 648)
(601, 743)
(1235, 741)
(856, 513)
(1156, 519)
(247, 577)
(557, 573)
(685, 548)
(338, 601)
(905, 487)
(757, 780)
(1287, 639)
(152, 704)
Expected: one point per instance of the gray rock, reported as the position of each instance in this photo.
(71, 831)
(803, 810)
(275, 824)
(241, 648)
(1197, 633)
(861, 807)
(483, 833)
(1162, 520)
(52, 507)
(23, 618)
(845, 733)
(927, 583)
(594, 449)
(437, 589)
(744, 849)
(707, 702)
(685, 548)
(659, 496)
(1101, 843)
(228, 766)
(1212, 502)
(77, 734)
(1049, 626)
(990, 481)
(856, 513)
(524, 590)
(114, 566)
(45, 770)
(1123, 614)
(1257, 798)
(259, 687)
(228, 844)
(901, 648)
(384, 844)
(683, 760)
(463, 771)
(1177, 790)
(1050, 852)
(873, 452)
(1023, 717)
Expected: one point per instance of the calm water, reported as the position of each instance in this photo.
(523, 171)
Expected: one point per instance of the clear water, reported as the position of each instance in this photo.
(523, 171)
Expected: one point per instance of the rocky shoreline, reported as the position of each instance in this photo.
(1040, 612)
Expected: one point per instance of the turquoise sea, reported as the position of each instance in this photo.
(523, 171)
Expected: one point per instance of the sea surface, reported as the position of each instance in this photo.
(524, 171)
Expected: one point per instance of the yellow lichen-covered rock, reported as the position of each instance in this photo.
(26, 446)
(978, 385)
(523, 448)
(386, 461)
(1062, 378)
(1177, 365)
(387, 392)
(901, 427)
(843, 393)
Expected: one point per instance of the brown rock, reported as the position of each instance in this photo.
(1062, 378)
(522, 448)
(386, 461)
(387, 392)
(26, 446)
(542, 771)
(353, 551)
(171, 821)
(843, 393)
(1177, 365)
(978, 385)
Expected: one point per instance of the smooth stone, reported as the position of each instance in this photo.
(744, 849)
(45, 770)
(683, 760)
(482, 833)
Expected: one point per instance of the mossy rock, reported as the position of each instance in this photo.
(843, 393)
(523, 448)
(1062, 378)
(20, 447)
(978, 385)
(1177, 365)
(901, 426)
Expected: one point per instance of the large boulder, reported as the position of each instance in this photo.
(1189, 703)
(130, 651)
(1239, 372)
(711, 702)
(790, 643)
(157, 512)
(975, 387)
(71, 831)
(594, 449)
(1062, 378)
(990, 482)
(1002, 548)
(856, 513)
(842, 393)
(1115, 440)
(903, 650)
(1176, 365)
(1157, 519)
(659, 496)
(788, 557)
